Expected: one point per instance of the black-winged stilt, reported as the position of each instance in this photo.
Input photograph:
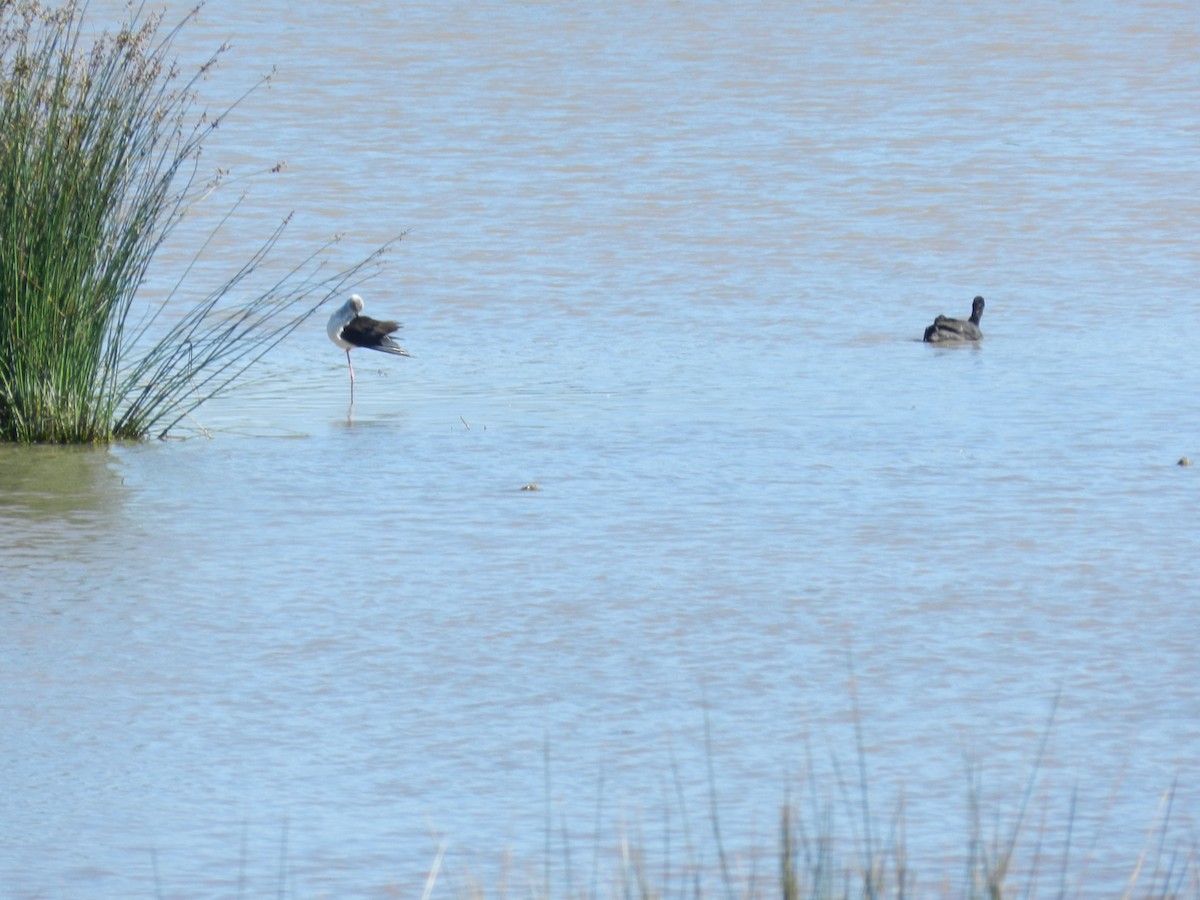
(348, 328)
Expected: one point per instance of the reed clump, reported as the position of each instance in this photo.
(99, 146)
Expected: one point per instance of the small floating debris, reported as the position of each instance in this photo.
(1184, 461)
(532, 486)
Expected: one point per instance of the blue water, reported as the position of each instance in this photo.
(671, 265)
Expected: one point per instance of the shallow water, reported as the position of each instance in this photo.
(669, 264)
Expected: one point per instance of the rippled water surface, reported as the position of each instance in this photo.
(671, 263)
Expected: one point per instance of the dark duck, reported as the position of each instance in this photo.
(945, 330)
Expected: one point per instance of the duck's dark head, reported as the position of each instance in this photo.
(976, 309)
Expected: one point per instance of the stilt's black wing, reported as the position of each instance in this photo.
(363, 331)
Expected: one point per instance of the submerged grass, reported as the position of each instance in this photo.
(833, 845)
(823, 854)
(99, 150)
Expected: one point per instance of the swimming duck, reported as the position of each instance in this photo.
(945, 330)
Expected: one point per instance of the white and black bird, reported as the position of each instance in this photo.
(349, 328)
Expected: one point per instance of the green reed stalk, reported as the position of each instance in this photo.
(99, 149)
